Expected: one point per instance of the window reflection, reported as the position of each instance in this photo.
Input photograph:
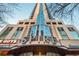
(17, 33)
(6, 32)
(62, 33)
(74, 34)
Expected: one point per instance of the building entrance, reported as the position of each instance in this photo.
(39, 52)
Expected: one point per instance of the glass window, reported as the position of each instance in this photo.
(74, 34)
(62, 33)
(17, 33)
(6, 32)
(70, 29)
(40, 17)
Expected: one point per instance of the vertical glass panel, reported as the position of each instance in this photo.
(40, 17)
(74, 34)
(43, 29)
(62, 33)
(44, 32)
(17, 33)
(6, 32)
(33, 33)
(40, 29)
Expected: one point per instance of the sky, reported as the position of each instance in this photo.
(23, 12)
(67, 19)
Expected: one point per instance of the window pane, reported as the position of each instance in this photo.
(62, 33)
(74, 34)
(6, 32)
(17, 33)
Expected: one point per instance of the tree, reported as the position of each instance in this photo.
(63, 10)
(6, 9)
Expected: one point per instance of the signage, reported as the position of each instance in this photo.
(8, 41)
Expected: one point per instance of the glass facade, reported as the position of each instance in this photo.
(40, 29)
(62, 33)
(6, 32)
(17, 33)
(74, 34)
(40, 17)
(36, 31)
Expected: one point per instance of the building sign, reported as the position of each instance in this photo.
(8, 41)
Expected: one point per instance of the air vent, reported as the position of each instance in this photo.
(48, 23)
(26, 22)
(60, 23)
(32, 22)
(20, 22)
(53, 22)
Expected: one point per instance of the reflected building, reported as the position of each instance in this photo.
(40, 35)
